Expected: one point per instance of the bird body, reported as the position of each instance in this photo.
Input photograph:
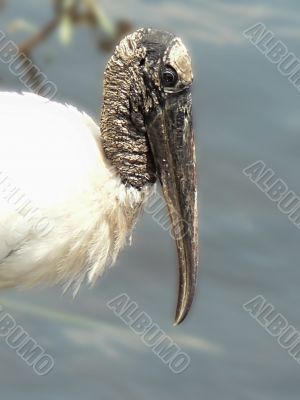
(71, 190)
(80, 213)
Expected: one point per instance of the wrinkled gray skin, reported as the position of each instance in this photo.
(146, 131)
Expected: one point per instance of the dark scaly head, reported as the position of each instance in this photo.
(147, 133)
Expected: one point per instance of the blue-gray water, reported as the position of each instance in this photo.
(244, 111)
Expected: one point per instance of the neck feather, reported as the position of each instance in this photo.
(123, 132)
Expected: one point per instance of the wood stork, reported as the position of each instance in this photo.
(92, 186)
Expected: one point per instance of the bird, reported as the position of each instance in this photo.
(72, 190)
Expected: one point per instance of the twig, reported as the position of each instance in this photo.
(28, 45)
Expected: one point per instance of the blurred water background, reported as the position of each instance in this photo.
(244, 111)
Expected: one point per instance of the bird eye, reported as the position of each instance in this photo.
(169, 77)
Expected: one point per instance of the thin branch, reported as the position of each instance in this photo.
(28, 45)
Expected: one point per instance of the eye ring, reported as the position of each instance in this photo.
(169, 76)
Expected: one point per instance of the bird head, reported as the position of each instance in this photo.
(147, 133)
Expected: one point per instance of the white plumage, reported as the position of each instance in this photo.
(50, 154)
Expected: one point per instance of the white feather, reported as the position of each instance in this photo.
(51, 157)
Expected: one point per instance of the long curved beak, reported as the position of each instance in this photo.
(171, 138)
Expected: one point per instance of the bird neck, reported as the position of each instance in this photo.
(123, 132)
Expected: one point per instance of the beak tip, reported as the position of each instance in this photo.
(177, 321)
(180, 316)
(185, 300)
